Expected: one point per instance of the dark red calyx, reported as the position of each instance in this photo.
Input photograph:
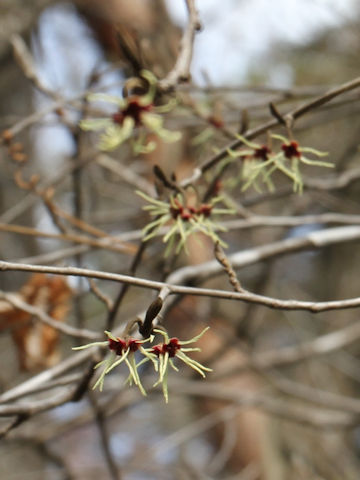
(118, 346)
(172, 347)
(158, 350)
(133, 345)
(133, 109)
(291, 149)
(176, 209)
(262, 152)
(186, 214)
(205, 209)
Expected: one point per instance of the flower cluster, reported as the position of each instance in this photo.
(121, 350)
(260, 162)
(171, 348)
(136, 115)
(183, 219)
(161, 355)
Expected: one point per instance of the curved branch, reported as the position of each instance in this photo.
(174, 282)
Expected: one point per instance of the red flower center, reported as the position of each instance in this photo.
(262, 152)
(133, 109)
(120, 346)
(205, 209)
(184, 212)
(188, 212)
(291, 149)
(171, 348)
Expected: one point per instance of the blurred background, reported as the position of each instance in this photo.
(249, 53)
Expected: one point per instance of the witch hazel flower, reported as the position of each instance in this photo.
(136, 116)
(162, 355)
(184, 219)
(295, 154)
(121, 350)
(257, 164)
(260, 162)
(170, 349)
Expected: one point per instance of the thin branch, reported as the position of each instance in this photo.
(252, 221)
(225, 263)
(317, 239)
(29, 386)
(315, 395)
(192, 429)
(76, 222)
(110, 320)
(225, 450)
(43, 317)
(305, 415)
(45, 450)
(126, 173)
(251, 134)
(54, 257)
(313, 240)
(100, 295)
(26, 62)
(30, 199)
(181, 70)
(61, 382)
(108, 242)
(256, 221)
(18, 420)
(333, 182)
(37, 406)
(100, 419)
(321, 345)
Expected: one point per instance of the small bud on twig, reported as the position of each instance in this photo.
(152, 312)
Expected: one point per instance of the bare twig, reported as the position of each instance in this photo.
(18, 420)
(194, 428)
(313, 240)
(29, 386)
(60, 382)
(54, 257)
(321, 345)
(181, 70)
(125, 173)
(100, 295)
(109, 243)
(310, 416)
(251, 221)
(224, 261)
(315, 395)
(317, 239)
(100, 419)
(110, 320)
(27, 64)
(253, 133)
(43, 317)
(37, 406)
